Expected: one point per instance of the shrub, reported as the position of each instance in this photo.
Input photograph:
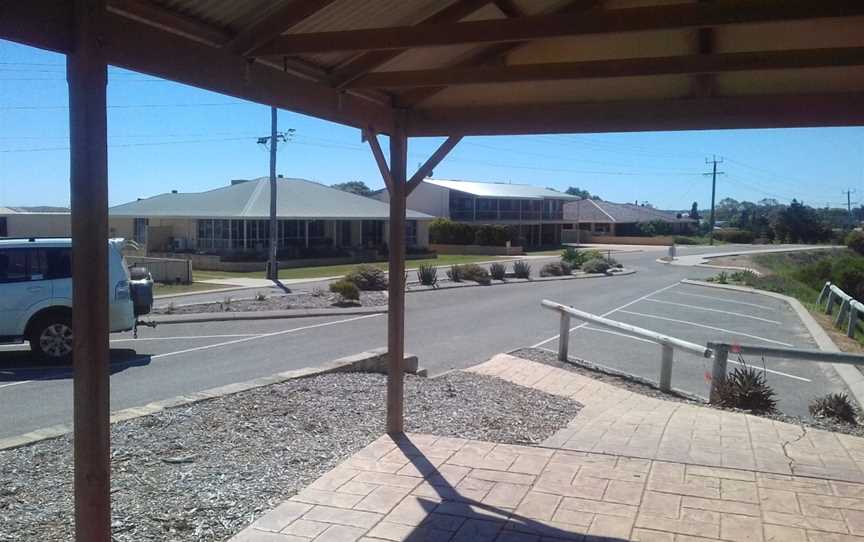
(493, 235)
(855, 241)
(367, 277)
(498, 271)
(260, 296)
(745, 388)
(734, 235)
(848, 274)
(427, 274)
(455, 273)
(682, 240)
(476, 273)
(596, 265)
(521, 269)
(346, 289)
(555, 269)
(445, 231)
(835, 406)
(722, 277)
(575, 257)
(746, 276)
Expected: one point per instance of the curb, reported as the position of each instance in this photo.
(851, 376)
(166, 319)
(363, 362)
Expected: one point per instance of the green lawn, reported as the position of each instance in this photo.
(336, 270)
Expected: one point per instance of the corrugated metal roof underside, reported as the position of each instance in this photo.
(296, 198)
(500, 190)
(588, 210)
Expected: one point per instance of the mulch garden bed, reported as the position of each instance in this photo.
(302, 300)
(205, 471)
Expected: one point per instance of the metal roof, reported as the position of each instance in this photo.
(500, 190)
(296, 198)
(599, 211)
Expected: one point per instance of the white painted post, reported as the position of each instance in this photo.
(666, 368)
(671, 252)
(853, 320)
(718, 372)
(564, 336)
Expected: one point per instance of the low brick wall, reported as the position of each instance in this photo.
(169, 270)
(477, 249)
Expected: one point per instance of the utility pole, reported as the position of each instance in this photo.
(849, 206)
(714, 161)
(273, 140)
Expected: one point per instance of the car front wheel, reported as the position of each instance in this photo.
(52, 338)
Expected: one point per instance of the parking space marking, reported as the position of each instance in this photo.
(262, 336)
(766, 307)
(710, 327)
(610, 332)
(624, 306)
(698, 308)
(780, 373)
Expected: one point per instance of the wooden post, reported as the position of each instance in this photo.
(718, 372)
(396, 302)
(564, 336)
(666, 368)
(87, 77)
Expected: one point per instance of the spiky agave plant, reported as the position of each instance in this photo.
(745, 388)
(498, 271)
(427, 274)
(836, 406)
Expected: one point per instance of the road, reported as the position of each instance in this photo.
(447, 329)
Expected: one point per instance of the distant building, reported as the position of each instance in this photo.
(34, 222)
(536, 212)
(234, 220)
(604, 218)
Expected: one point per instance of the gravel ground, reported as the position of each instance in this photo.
(205, 471)
(643, 387)
(310, 300)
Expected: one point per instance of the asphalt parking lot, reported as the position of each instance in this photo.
(701, 314)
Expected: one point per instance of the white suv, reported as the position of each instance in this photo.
(36, 294)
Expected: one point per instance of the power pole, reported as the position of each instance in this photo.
(273, 140)
(849, 206)
(714, 161)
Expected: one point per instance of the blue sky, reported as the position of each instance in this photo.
(164, 136)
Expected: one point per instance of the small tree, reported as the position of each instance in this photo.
(354, 187)
(694, 211)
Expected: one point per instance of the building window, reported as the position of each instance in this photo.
(411, 233)
(214, 234)
(139, 230)
(372, 232)
(345, 240)
(4, 227)
(461, 206)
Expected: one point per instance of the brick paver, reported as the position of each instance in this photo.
(628, 483)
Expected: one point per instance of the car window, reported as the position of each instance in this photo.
(13, 265)
(59, 263)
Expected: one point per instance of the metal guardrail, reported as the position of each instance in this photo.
(850, 308)
(668, 344)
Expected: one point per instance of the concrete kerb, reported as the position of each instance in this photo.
(511, 281)
(165, 319)
(372, 361)
(851, 376)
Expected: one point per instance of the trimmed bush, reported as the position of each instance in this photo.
(367, 277)
(521, 269)
(596, 265)
(574, 257)
(447, 232)
(555, 269)
(493, 235)
(835, 406)
(346, 289)
(745, 388)
(855, 241)
(498, 271)
(734, 235)
(476, 273)
(455, 273)
(427, 274)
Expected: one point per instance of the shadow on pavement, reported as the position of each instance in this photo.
(20, 365)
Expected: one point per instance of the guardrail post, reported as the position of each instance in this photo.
(844, 306)
(564, 336)
(825, 290)
(666, 368)
(830, 304)
(718, 372)
(853, 320)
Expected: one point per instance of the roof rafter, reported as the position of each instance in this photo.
(662, 17)
(164, 19)
(624, 67)
(271, 25)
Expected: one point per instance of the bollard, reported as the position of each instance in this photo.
(671, 252)
(666, 368)
(564, 336)
(718, 372)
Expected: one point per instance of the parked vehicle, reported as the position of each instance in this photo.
(36, 294)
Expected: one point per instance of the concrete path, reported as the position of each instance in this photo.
(703, 259)
(628, 468)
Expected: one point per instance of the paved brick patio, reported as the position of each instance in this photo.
(422, 487)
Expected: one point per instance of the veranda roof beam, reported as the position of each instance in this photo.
(664, 17)
(426, 169)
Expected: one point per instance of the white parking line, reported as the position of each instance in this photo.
(187, 338)
(262, 336)
(696, 307)
(640, 339)
(709, 327)
(766, 307)
(624, 306)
